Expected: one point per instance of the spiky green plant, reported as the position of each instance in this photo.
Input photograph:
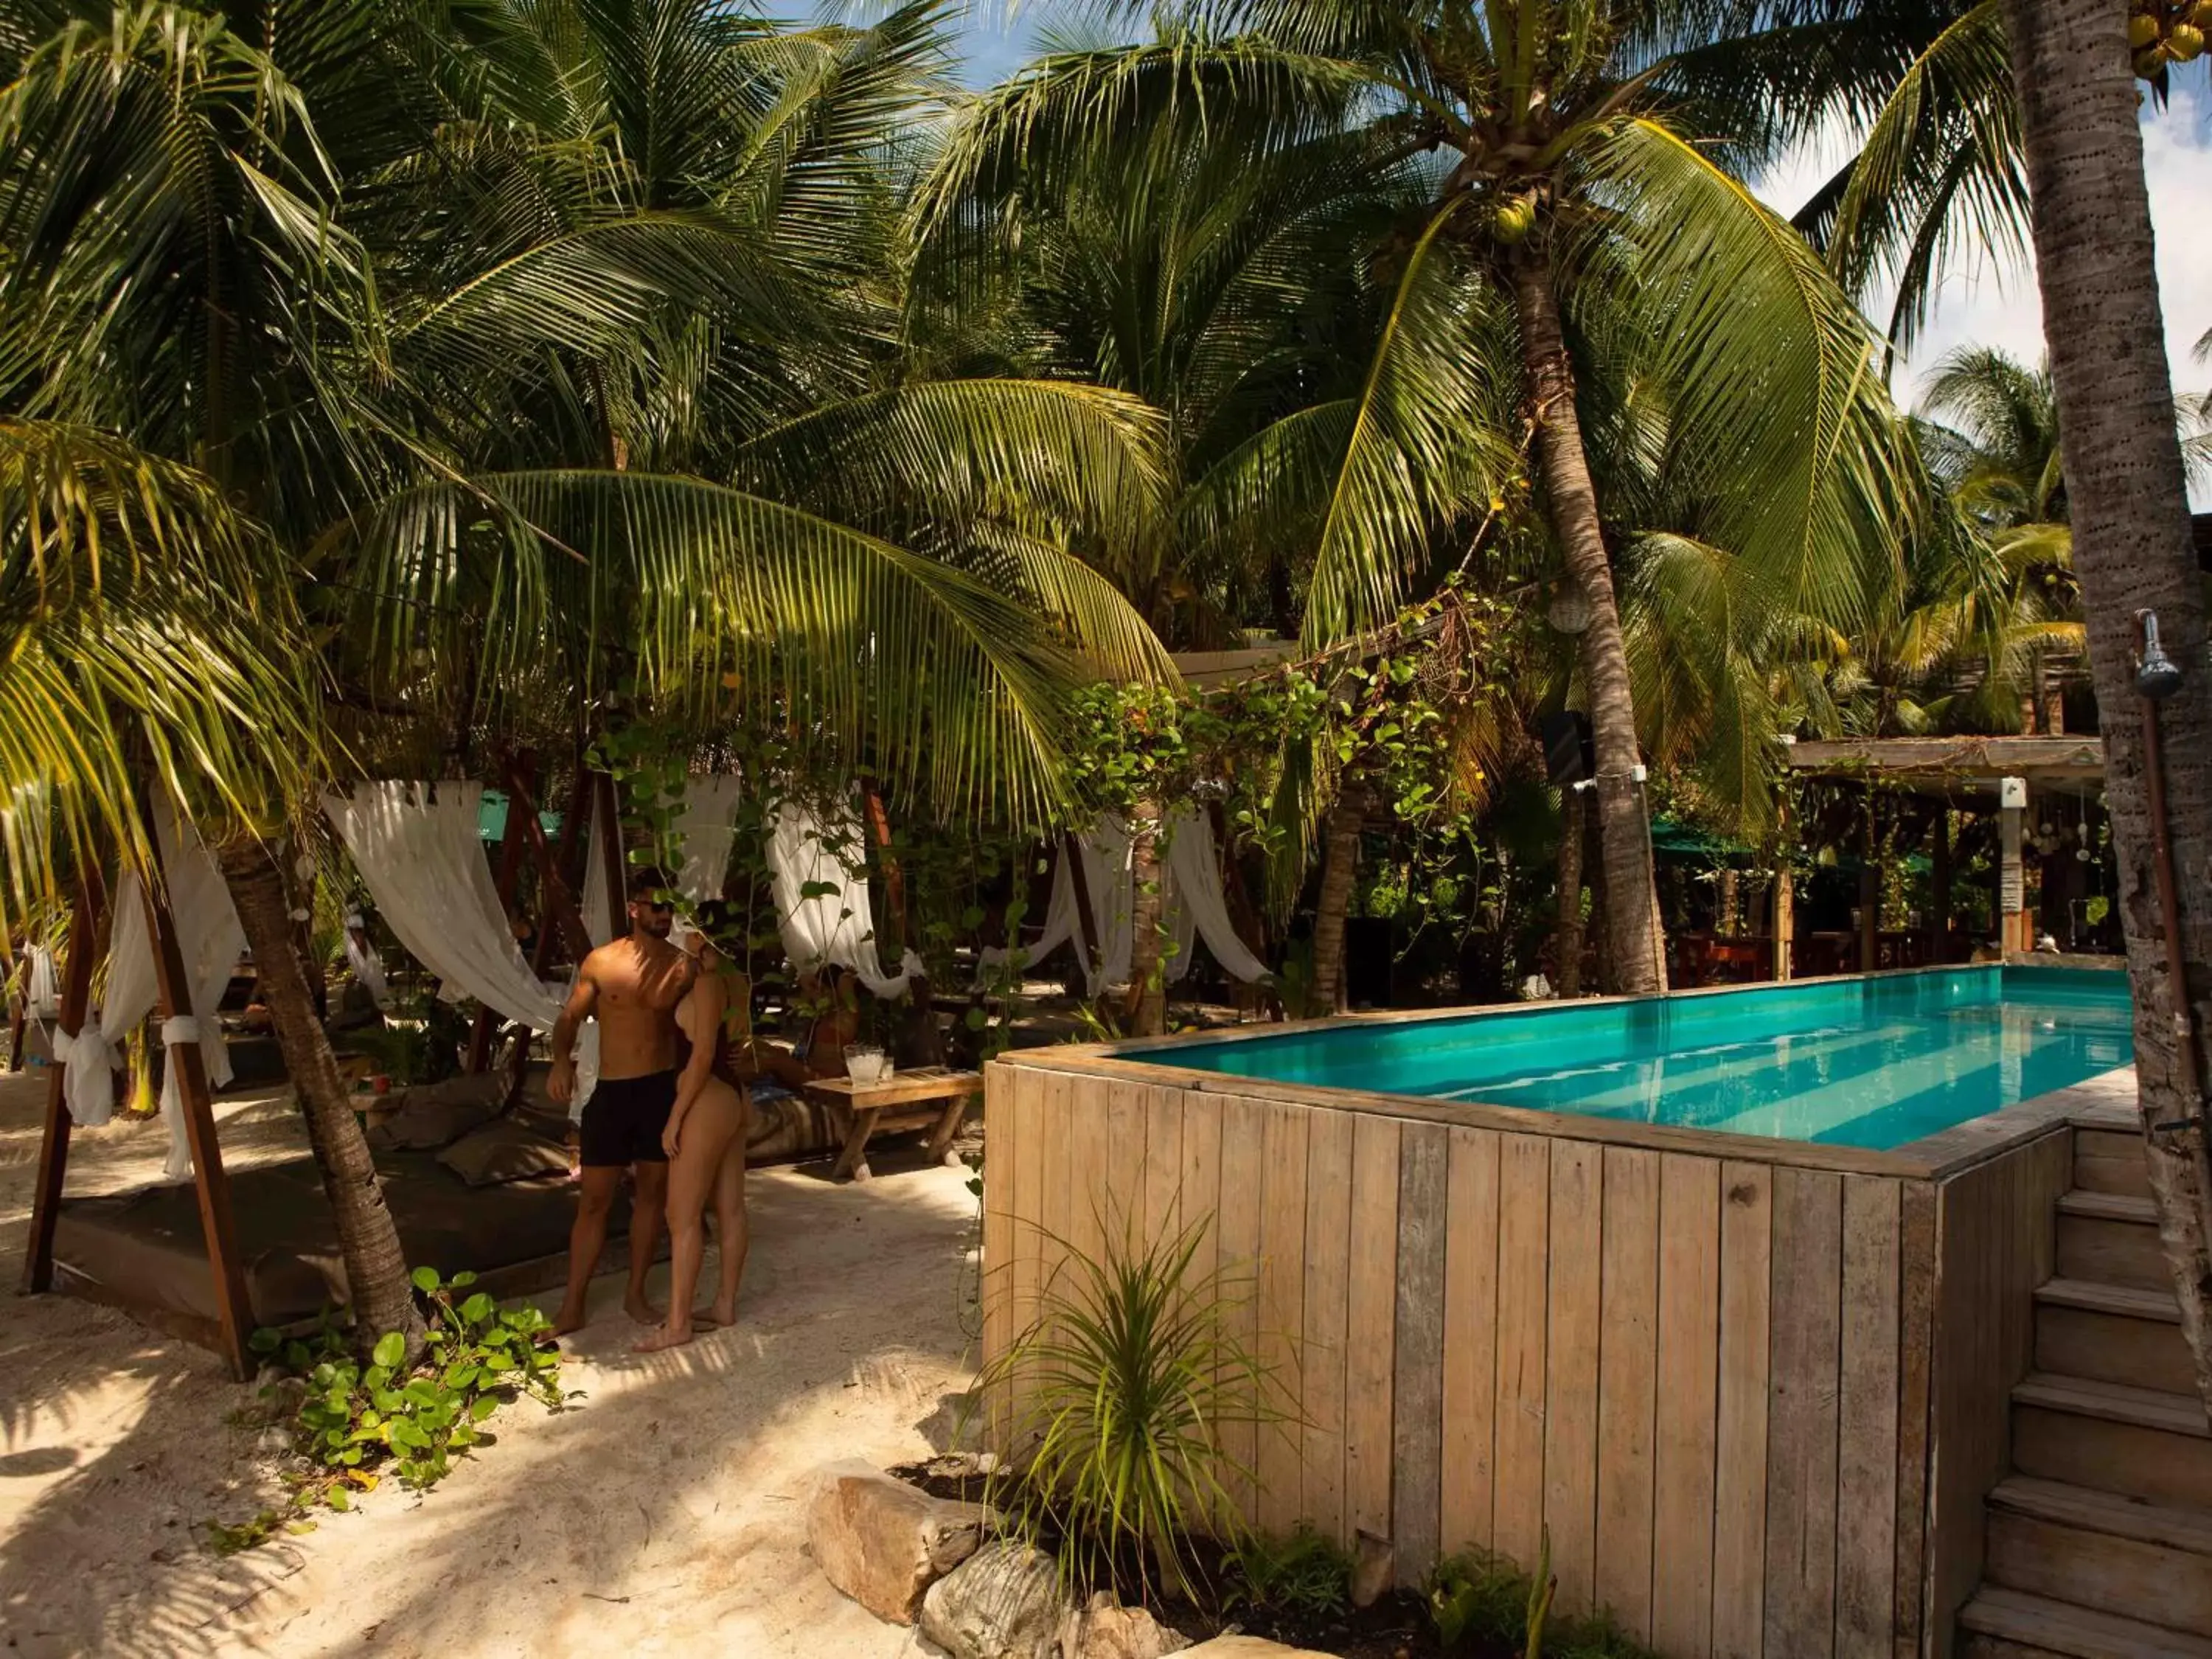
(1120, 1392)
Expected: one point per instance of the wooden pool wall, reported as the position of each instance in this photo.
(1755, 1388)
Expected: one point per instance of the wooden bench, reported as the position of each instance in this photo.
(932, 1098)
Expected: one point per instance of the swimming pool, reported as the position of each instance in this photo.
(1874, 1062)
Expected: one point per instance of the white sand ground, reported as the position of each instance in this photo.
(660, 1515)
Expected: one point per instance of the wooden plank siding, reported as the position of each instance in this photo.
(1756, 1405)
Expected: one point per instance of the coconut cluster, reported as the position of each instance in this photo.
(2162, 32)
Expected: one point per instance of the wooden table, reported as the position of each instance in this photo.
(933, 1097)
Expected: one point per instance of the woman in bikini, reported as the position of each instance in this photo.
(705, 1138)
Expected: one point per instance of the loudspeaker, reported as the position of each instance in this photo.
(1569, 755)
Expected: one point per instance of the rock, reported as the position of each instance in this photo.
(1107, 1630)
(1372, 1563)
(884, 1543)
(1005, 1601)
(1249, 1647)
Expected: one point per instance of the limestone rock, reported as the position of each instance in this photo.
(1106, 1630)
(1248, 1647)
(1005, 1601)
(1373, 1563)
(884, 1543)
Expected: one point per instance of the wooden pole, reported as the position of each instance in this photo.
(880, 825)
(503, 878)
(1939, 885)
(1785, 923)
(234, 1311)
(53, 1147)
(2012, 870)
(560, 906)
(610, 854)
(1870, 892)
(566, 859)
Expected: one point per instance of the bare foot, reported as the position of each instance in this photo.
(724, 1313)
(639, 1309)
(569, 1320)
(654, 1341)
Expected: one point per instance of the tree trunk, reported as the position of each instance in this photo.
(1148, 988)
(1339, 863)
(1624, 835)
(2131, 551)
(1601, 935)
(383, 1299)
(1568, 934)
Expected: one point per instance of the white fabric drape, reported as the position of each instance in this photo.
(706, 831)
(367, 967)
(821, 904)
(42, 989)
(211, 940)
(418, 849)
(603, 909)
(1191, 902)
(1196, 904)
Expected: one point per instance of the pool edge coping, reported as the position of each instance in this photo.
(1940, 1157)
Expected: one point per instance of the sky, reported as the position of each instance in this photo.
(1984, 301)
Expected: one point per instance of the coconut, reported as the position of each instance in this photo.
(2185, 43)
(2148, 63)
(1515, 218)
(2202, 16)
(2142, 31)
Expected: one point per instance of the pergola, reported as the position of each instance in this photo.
(1972, 771)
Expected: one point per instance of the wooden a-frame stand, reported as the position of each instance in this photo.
(227, 1333)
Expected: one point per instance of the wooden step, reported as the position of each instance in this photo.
(2035, 1624)
(2125, 1333)
(2140, 1442)
(2097, 1550)
(2110, 1238)
(2110, 1161)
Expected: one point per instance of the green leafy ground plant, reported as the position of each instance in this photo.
(1307, 1574)
(353, 1423)
(1119, 1394)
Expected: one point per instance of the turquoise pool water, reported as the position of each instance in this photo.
(1855, 1062)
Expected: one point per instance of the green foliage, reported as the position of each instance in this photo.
(1478, 1600)
(1120, 1391)
(351, 1423)
(1306, 1573)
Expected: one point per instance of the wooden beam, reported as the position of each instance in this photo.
(53, 1147)
(610, 854)
(503, 878)
(560, 904)
(234, 1311)
(880, 825)
(1086, 935)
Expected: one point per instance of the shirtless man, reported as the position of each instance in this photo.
(633, 985)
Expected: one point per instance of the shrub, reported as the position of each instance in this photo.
(1119, 1391)
(351, 1422)
(1305, 1573)
(1476, 1598)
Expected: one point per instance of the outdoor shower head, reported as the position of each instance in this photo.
(2158, 677)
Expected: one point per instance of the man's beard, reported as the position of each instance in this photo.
(657, 927)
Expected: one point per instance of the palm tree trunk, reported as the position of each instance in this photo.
(1568, 934)
(1624, 840)
(1339, 863)
(376, 1271)
(1148, 990)
(2131, 551)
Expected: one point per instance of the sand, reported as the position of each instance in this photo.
(661, 1515)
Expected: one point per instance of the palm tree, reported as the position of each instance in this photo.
(2126, 492)
(402, 289)
(1570, 195)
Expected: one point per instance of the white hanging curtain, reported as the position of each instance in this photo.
(367, 967)
(603, 909)
(211, 940)
(706, 833)
(1196, 904)
(1191, 900)
(417, 847)
(42, 988)
(821, 904)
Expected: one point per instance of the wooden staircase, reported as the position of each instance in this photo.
(2099, 1543)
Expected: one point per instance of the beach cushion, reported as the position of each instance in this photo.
(435, 1114)
(501, 1150)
